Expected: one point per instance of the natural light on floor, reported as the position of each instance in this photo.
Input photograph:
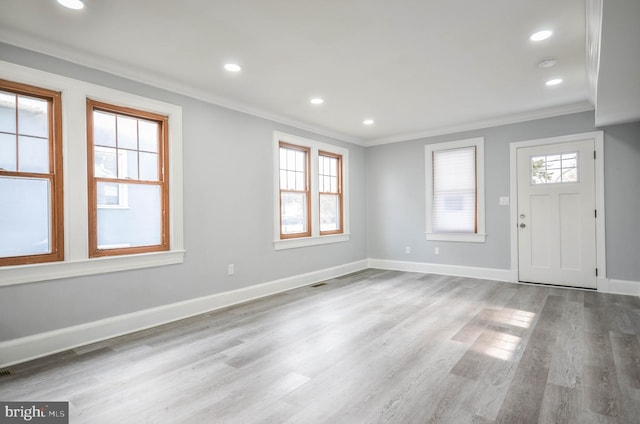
(498, 345)
(515, 317)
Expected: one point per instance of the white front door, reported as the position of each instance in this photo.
(556, 214)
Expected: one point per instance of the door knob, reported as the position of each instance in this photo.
(522, 225)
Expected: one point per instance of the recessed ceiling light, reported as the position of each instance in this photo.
(548, 62)
(554, 81)
(368, 122)
(232, 67)
(540, 35)
(72, 4)
(317, 101)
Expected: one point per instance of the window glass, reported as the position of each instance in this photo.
(138, 224)
(294, 192)
(329, 187)
(25, 220)
(8, 150)
(30, 176)
(127, 193)
(33, 154)
(552, 169)
(454, 191)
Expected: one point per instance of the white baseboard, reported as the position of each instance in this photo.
(38, 345)
(630, 288)
(604, 285)
(453, 270)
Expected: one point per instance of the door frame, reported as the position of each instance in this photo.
(598, 137)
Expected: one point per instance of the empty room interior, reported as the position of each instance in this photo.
(320, 212)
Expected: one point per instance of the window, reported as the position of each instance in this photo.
(330, 183)
(455, 190)
(70, 243)
(294, 191)
(311, 195)
(553, 169)
(128, 190)
(31, 204)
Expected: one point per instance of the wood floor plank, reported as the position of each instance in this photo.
(561, 405)
(369, 347)
(568, 357)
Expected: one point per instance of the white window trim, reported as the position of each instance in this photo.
(480, 235)
(314, 148)
(74, 151)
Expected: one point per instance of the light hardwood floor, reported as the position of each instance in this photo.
(371, 347)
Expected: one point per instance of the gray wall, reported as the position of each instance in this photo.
(228, 210)
(396, 196)
(622, 198)
(232, 223)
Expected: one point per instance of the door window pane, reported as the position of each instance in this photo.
(552, 169)
(24, 216)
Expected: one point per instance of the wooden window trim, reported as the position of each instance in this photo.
(163, 180)
(340, 228)
(55, 175)
(307, 191)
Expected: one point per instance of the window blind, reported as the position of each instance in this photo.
(454, 191)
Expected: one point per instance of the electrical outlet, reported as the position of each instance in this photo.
(231, 269)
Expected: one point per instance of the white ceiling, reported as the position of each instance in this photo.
(417, 67)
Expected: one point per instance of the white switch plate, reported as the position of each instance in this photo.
(407, 250)
(231, 269)
(504, 200)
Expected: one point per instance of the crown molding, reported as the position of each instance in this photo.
(119, 69)
(551, 112)
(91, 60)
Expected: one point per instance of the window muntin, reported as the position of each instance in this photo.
(128, 180)
(455, 191)
(330, 192)
(31, 180)
(553, 169)
(294, 191)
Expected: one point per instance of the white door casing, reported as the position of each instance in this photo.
(556, 206)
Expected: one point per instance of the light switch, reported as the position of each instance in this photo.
(504, 200)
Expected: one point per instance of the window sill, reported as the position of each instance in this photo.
(309, 241)
(20, 274)
(469, 238)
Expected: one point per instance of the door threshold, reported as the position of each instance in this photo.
(557, 286)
